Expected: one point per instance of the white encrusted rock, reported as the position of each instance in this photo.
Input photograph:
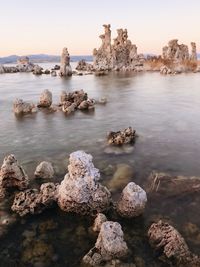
(12, 175)
(45, 99)
(110, 245)
(44, 170)
(65, 68)
(132, 201)
(80, 191)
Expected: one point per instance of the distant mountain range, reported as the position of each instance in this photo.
(40, 58)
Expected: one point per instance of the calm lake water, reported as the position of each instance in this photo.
(164, 110)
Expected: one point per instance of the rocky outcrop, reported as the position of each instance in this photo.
(165, 70)
(12, 175)
(45, 99)
(132, 201)
(44, 170)
(22, 108)
(99, 220)
(84, 66)
(80, 191)
(33, 201)
(65, 68)
(24, 65)
(166, 239)
(122, 54)
(110, 245)
(2, 70)
(122, 137)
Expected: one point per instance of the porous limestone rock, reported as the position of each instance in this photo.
(165, 238)
(87, 104)
(33, 201)
(110, 245)
(84, 66)
(100, 218)
(12, 175)
(122, 54)
(121, 137)
(37, 70)
(80, 191)
(132, 201)
(65, 68)
(45, 99)
(44, 170)
(165, 70)
(21, 107)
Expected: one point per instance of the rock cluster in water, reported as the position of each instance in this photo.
(65, 68)
(122, 54)
(12, 175)
(126, 136)
(165, 238)
(110, 245)
(44, 170)
(84, 66)
(80, 191)
(75, 100)
(45, 99)
(21, 107)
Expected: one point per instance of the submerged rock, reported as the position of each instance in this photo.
(45, 99)
(110, 245)
(12, 175)
(44, 170)
(80, 191)
(166, 185)
(34, 201)
(165, 238)
(122, 137)
(132, 201)
(121, 177)
(65, 68)
(22, 108)
(100, 218)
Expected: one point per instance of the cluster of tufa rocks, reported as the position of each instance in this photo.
(126, 136)
(76, 100)
(122, 54)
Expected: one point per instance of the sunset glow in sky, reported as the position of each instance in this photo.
(46, 26)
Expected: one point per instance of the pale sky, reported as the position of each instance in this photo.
(46, 26)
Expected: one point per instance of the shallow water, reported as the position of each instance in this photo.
(165, 112)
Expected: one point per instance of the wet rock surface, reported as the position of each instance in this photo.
(126, 136)
(132, 201)
(80, 191)
(12, 175)
(165, 238)
(110, 245)
(84, 66)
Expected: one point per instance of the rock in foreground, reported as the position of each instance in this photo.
(45, 99)
(132, 201)
(80, 191)
(12, 175)
(110, 245)
(165, 238)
